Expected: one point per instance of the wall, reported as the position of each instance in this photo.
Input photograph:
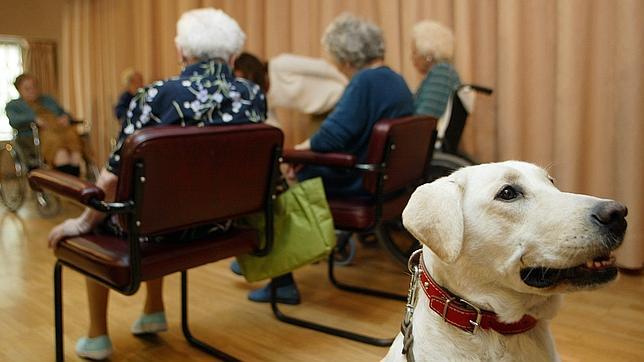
(39, 19)
(34, 20)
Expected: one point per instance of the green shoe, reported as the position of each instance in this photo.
(97, 348)
(150, 323)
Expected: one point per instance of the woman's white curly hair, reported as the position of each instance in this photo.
(353, 41)
(434, 40)
(209, 33)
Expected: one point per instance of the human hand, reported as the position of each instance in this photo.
(291, 172)
(63, 120)
(68, 228)
(40, 122)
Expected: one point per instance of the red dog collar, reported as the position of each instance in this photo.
(463, 314)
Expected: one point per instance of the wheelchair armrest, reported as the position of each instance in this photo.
(65, 185)
(308, 157)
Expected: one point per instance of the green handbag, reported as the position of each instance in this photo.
(303, 232)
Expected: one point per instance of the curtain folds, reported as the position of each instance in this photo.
(40, 61)
(567, 74)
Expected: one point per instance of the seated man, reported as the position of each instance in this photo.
(60, 144)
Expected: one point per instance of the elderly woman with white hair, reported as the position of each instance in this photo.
(374, 92)
(205, 94)
(432, 49)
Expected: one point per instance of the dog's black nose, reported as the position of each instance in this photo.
(611, 215)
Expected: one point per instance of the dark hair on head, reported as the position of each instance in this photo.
(21, 78)
(252, 69)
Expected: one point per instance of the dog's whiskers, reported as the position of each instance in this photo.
(528, 275)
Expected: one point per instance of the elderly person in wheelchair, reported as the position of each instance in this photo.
(206, 93)
(432, 50)
(60, 145)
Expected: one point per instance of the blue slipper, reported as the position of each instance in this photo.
(150, 324)
(96, 348)
(236, 268)
(287, 294)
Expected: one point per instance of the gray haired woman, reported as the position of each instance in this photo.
(374, 92)
(206, 93)
(432, 49)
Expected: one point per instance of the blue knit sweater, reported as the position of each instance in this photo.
(371, 95)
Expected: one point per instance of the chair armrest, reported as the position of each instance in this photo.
(65, 185)
(308, 157)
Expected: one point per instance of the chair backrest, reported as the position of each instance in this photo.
(452, 122)
(180, 177)
(405, 145)
(456, 122)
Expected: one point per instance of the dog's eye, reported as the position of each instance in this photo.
(507, 193)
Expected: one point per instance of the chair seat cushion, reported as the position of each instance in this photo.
(360, 213)
(106, 257)
(353, 213)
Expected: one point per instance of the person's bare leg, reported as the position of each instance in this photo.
(97, 297)
(75, 159)
(154, 297)
(62, 157)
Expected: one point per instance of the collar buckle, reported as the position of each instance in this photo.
(476, 324)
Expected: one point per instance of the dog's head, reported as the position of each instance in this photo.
(508, 224)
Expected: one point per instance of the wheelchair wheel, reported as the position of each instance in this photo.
(345, 249)
(397, 240)
(48, 204)
(13, 173)
(443, 164)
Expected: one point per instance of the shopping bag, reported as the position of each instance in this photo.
(303, 232)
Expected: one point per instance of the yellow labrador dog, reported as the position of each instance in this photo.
(500, 245)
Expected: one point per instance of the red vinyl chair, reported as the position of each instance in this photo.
(397, 162)
(171, 178)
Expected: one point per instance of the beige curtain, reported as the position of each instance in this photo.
(41, 61)
(567, 74)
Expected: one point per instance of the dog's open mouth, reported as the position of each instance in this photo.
(597, 271)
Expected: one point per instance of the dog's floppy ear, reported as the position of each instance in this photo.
(434, 215)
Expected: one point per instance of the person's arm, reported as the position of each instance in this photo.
(51, 104)
(345, 123)
(90, 218)
(107, 181)
(19, 114)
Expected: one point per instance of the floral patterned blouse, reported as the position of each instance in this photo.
(205, 94)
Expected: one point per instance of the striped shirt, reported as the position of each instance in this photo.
(433, 93)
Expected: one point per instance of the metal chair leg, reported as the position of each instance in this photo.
(360, 290)
(58, 312)
(186, 330)
(381, 342)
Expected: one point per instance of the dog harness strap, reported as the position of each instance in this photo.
(464, 315)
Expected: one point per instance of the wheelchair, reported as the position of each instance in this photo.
(447, 158)
(15, 163)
